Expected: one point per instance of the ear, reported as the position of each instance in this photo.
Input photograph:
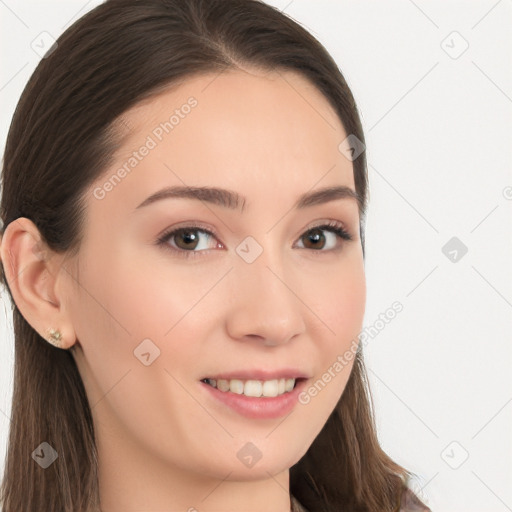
(33, 273)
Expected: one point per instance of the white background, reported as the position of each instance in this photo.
(438, 127)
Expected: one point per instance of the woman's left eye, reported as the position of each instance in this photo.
(187, 240)
(315, 237)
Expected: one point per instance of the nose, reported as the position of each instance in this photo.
(264, 305)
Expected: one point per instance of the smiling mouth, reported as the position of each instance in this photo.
(254, 388)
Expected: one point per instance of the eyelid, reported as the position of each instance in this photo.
(188, 225)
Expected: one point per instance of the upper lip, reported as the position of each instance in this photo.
(256, 374)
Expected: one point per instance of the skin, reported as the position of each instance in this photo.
(163, 443)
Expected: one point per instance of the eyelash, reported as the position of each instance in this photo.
(332, 226)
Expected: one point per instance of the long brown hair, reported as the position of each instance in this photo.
(62, 138)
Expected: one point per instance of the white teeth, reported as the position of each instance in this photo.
(236, 386)
(254, 388)
(223, 385)
(270, 388)
(289, 384)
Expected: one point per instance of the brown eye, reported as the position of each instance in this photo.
(187, 241)
(314, 239)
(188, 237)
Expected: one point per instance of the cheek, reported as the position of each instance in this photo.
(339, 303)
(127, 302)
(160, 302)
(144, 300)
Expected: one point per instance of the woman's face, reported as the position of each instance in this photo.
(264, 293)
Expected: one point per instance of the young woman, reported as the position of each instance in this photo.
(184, 190)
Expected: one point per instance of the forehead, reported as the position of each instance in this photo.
(247, 131)
(239, 95)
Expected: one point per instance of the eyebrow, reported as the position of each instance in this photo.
(233, 200)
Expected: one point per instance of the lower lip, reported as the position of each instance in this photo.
(259, 408)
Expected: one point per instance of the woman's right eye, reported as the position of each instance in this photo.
(186, 240)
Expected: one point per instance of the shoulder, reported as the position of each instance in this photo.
(411, 503)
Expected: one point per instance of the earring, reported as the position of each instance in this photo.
(55, 337)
